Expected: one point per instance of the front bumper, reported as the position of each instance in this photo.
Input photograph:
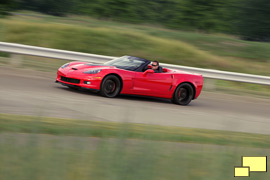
(81, 82)
(79, 87)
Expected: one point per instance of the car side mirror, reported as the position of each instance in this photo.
(151, 71)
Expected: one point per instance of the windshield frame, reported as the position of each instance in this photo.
(128, 68)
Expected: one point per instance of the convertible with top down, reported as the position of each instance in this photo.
(131, 75)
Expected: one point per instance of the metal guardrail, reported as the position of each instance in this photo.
(224, 75)
(70, 55)
(51, 53)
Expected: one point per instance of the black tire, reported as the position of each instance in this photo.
(183, 94)
(110, 86)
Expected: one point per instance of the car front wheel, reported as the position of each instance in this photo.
(110, 86)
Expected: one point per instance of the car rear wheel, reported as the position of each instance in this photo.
(110, 86)
(183, 94)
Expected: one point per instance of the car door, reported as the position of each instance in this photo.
(152, 84)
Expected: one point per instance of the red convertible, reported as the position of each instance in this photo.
(131, 75)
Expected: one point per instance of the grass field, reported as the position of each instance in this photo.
(55, 126)
(50, 148)
(89, 35)
(43, 157)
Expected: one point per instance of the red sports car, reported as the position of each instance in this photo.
(131, 75)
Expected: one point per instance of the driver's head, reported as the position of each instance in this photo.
(155, 65)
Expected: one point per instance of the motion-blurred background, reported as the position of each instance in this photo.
(50, 132)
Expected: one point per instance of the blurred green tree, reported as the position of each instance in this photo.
(254, 21)
(57, 8)
(206, 15)
(248, 18)
(6, 6)
(29, 4)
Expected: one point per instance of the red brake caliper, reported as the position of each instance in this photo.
(113, 87)
(179, 93)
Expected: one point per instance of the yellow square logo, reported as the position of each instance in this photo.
(256, 164)
(241, 172)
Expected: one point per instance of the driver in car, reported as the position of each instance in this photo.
(156, 67)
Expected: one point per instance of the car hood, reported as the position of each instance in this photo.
(86, 67)
(75, 70)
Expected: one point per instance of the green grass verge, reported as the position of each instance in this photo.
(121, 151)
(55, 126)
(116, 39)
(239, 88)
(27, 157)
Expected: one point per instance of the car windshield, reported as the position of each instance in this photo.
(126, 62)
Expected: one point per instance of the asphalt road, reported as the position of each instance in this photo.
(30, 92)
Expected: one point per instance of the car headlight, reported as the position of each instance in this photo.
(95, 71)
(65, 65)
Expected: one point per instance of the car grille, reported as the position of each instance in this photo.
(70, 80)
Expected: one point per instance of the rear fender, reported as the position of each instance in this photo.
(195, 81)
